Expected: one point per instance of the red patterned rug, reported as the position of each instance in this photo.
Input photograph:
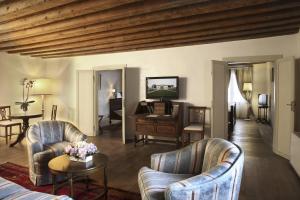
(19, 174)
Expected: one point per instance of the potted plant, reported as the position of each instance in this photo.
(27, 85)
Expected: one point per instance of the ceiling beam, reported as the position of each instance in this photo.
(122, 12)
(161, 35)
(62, 13)
(11, 10)
(192, 41)
(198, 36)
(140, 23)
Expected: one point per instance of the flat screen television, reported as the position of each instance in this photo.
(166, 87)
(262, 99)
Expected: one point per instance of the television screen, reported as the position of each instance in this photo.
(262, 99)
(162, 87)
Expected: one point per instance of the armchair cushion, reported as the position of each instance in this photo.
(155, 183)
(57, 148)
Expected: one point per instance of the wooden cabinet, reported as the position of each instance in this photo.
(149, 124)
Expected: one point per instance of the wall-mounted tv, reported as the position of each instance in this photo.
(166, 87)
(263, 100)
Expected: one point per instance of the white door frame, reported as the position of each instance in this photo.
(77, 98)
(107, 68)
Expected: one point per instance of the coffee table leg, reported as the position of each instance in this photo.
(54, 183)
(105, 182)
(71, 186)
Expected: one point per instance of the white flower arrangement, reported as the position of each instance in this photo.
(81, 151)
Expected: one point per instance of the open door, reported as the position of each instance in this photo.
(85, 102)
(295, 138)
(219, 100)
(284, 106)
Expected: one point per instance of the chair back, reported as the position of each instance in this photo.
(5, 113)
(51, 131)
(53, 113)
(196, 115)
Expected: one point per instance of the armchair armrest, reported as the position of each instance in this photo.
(34, 145)
(187, 160)
(72, 134)
(43, 156)
(220, 182)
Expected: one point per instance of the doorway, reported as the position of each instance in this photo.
(88, 104)
(284, 83)
(251, 98)
(109, 103)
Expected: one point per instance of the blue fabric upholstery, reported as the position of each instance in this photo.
(13, 191)
(218, 177)
(46, 140)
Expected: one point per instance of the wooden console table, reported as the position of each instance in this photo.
(159, 125)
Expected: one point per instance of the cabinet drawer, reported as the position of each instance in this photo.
(145, 128)
(166, 130)
(144, 121)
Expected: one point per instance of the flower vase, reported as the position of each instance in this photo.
(87, 159)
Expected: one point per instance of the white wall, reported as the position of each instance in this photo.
(13, 69)
(111, 79)
(262, 84)
(191, 63)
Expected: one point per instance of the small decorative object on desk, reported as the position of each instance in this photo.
(81, 151)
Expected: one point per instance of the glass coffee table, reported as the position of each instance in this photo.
(74, 171)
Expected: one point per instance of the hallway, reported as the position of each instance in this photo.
(266, 175)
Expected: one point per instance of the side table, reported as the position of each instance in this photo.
(62, 165)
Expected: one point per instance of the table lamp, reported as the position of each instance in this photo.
(247, 88)
(43, 87)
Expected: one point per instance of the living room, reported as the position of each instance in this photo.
(191, 63)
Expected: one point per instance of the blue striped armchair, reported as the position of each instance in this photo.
(207, 169)
(46, 140)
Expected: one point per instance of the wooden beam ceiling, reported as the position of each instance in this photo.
(52, 28)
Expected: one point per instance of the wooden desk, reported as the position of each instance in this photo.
(25, 118)
(160, 126)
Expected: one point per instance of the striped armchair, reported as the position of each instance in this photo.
(46, 140)
(207, 169)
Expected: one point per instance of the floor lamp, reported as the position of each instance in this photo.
(42, 87)
(247, 88)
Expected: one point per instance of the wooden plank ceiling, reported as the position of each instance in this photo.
(63, 28)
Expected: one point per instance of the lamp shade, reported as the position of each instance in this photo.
(247, 87)
(43, 86)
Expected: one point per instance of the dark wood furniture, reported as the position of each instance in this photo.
(115, 105)
(25, 117)
(262, 117)
(53, 112)
(196, 123)
(231, 118)
(74, 171)
(151, 124)
(7, 123)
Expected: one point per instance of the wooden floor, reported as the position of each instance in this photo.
(266, 175)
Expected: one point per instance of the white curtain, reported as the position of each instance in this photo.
(235, 97)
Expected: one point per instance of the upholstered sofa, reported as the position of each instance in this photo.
(207, 169)
(46, 140)
(12, 191)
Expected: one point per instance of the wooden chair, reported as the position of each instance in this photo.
(7, 123)
(196, 123)
(54, 111)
